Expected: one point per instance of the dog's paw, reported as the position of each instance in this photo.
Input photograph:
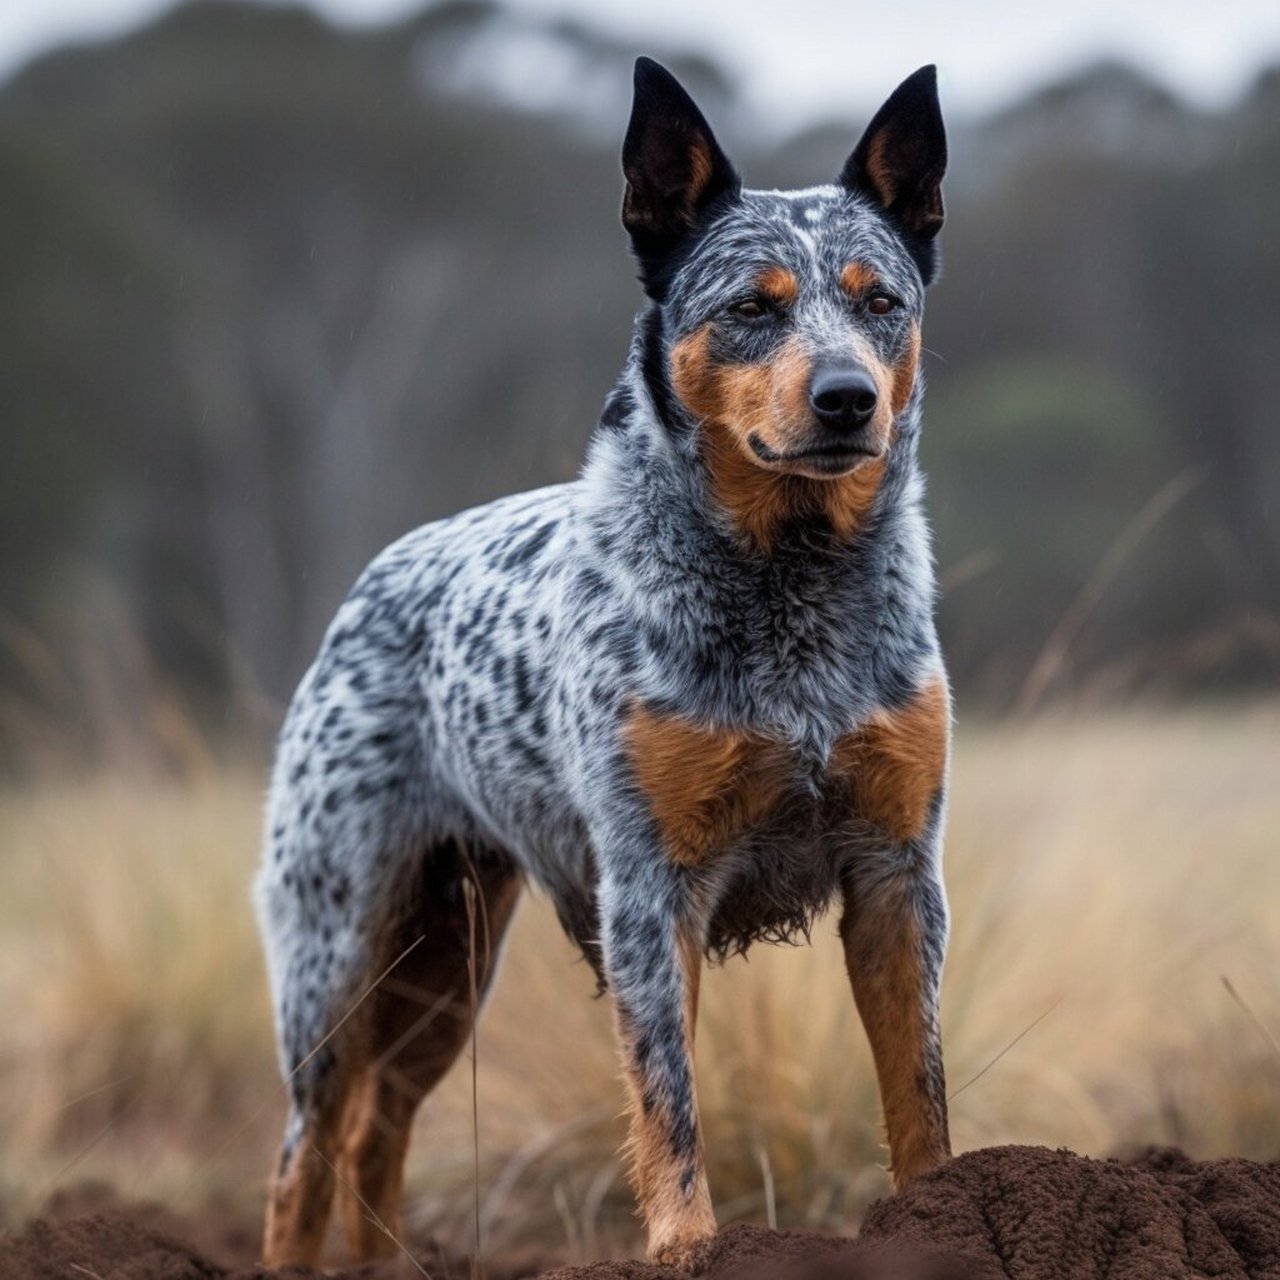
(690, 1255)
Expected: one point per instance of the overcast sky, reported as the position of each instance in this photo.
(836, 56)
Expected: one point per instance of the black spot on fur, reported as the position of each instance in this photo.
(530, 547)
(524, 685)
(530, 754)
(618, 407)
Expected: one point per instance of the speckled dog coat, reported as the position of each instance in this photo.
(694, 696)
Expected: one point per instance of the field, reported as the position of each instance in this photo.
(1107, 873)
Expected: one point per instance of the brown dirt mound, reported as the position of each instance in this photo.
(1028, 1213)
(1021, 1213)
(122, 1247)
(1032, 1213)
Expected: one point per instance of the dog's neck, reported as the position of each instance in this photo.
(793, 642)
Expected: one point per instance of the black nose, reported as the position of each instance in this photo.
(843, 398)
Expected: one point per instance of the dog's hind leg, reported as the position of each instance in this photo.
(341, 825)
(446, 932)
(302, 1187)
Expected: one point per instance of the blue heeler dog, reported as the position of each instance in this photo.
(693, 696)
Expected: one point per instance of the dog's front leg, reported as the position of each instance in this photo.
(895, 917)
(653, 955)
(894, 931)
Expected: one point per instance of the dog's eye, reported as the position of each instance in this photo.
(749, 309)
(881, 303)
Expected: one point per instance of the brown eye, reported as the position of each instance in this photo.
(880, 304)
(749, 309)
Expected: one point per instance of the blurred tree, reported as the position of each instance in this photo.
(275, 293)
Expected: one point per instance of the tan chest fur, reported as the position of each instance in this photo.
(706, 787)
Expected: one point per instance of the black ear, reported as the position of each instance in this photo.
(673, 165)
(900, 162)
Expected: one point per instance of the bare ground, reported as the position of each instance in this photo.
(1023, 1213)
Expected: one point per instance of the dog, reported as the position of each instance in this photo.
(694, 696)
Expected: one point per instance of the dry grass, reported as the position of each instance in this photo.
(1109, 870)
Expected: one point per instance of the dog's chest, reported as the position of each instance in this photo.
(709, 788)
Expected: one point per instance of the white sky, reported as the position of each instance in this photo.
(799, 59)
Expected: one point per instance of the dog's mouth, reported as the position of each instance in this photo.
(835, 458)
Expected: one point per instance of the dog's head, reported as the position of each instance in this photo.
(791, 319)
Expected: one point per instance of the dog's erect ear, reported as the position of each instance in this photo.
(901, 159)
(673, 165)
